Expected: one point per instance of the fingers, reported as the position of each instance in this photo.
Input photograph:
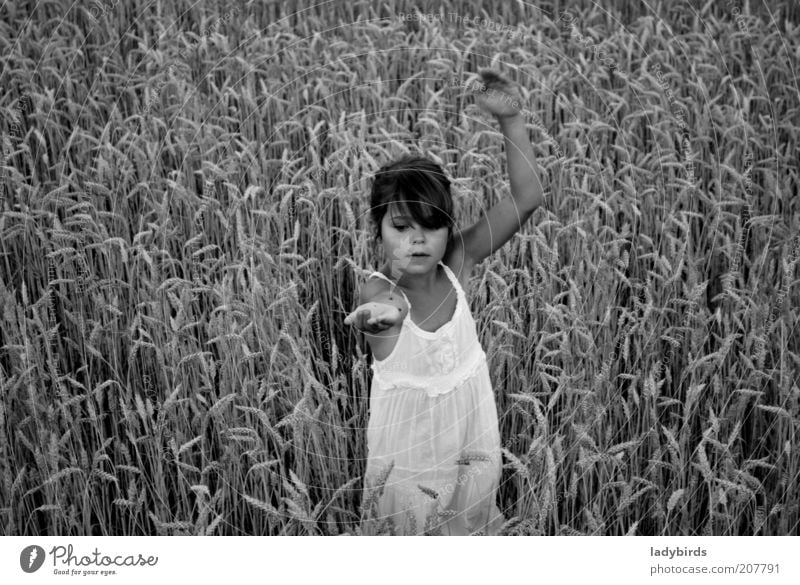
(351, 318)
(357, 317)
(490, 76)
(496, 90)
(363, 321)
(379, 326)
(375, 325)
(493, 78)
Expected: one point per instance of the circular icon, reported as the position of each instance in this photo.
(31, 558)
(96, 11)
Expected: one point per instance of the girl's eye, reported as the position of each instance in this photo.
(400, 227)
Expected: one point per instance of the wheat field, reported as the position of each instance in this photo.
(184, 228)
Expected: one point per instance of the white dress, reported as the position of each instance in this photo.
(433, 428)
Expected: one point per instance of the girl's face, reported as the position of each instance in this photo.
(410, 247)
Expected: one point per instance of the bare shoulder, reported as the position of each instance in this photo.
(458, 261)
(372, 288)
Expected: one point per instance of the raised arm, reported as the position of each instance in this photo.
(500, 98)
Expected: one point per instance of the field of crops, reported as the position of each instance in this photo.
(184, 227)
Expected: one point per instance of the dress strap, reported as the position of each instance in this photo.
(452, 278)
(394, 286)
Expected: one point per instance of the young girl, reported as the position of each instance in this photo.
(433, 437)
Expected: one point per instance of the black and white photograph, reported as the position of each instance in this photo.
(403, 268)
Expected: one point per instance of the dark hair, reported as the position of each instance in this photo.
(419, 186)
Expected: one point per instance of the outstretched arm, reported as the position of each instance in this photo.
(499, 97)
(379, 308)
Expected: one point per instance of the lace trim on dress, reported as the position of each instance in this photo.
(425, 383)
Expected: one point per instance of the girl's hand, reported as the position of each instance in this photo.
(498, 95)
(374, 317)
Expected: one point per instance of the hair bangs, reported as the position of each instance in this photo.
(418, 187)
